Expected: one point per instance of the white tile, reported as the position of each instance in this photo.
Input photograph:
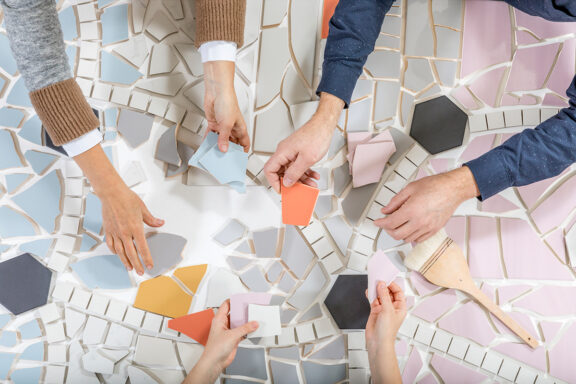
(120, 95)
(87, 68)
(513, 118)
(139, 100)
(477, 123)
(475, 355)
(73, 170)
(98, 304)
(119, 336)
(305, 333)
(406, 168)
(268, 318)
(70, 225)
(408, 327)
(530, 117)
(357, 340)
(152, 322)
(58, 262)
(62, 291)
(55, 332)
(287, 337)
(161, 26)
(324, 328)
(492, 362)
(89, 50)
(86, 12)
(49, 313)
(72, 206)
(102, 91)
(158, 106)
(80, 298)
(424, 335)
(357, 262)
(85, 86)
(332, 263)
(526, 376)
(369, 229)
(57, 353)
(358, 376)
(495, 120)
(542, 379)
(364, 245)
(74, 187)
(384, 196)
(54, 374)
(375, 211)
(417, 154)
(95, 362)
(458, 348)
(134, 317)
(175, 113)
(323, 247)
(74, 321)
(546, 113)
(65, 244)
(313, 231)
(193, 122)
(94, 331)
(155, 351)
(116, 310)
(509, 370)
(168, 331)
(395, 182)
(358, 359)
(441, 340)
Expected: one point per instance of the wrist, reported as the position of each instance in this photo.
(219, 76)
(464, 183)
(329, 110)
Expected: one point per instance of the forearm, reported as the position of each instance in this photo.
(384, 366)
(329, 110)
(100, 172)
(204, 372)
(218, 78)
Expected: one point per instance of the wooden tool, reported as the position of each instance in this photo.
(442, 262)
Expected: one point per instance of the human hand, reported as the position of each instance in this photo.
(221, 105)
(296, 154)
(424, 206)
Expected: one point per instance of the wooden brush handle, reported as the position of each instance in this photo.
(502, 316)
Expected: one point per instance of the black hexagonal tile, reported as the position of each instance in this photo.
(24, 284)
(347, 301)
(438, 125)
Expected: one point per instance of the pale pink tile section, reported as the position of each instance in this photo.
(477, 147)
(550, 329)
(484, 248)
(555, 208)
(422, 286)
(380, 268)
(456, 229)
(489, 291)
(505, 137)
(442, 165)
(508, 100)
(239, 306)
(562, 357)
(531, 66)
(550, 301)
(452, 372)
(464, 97)
(469, 321)
(421, 173)
(535, 358)
(522, 319)
(526, 256)
(401, 347)
(508, 293)
(482, 46)
(485, 87)
(564, 69)
(428, 379)
(544, 29)
(556, 241)
(524, 38)
(369, 162)
(531, 193)
(431, 308)
(552, 100)
(412, 367)
(497, 204)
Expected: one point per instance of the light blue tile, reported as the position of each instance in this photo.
(8, 339)
(111, 117)
(116, 71)
(87, 243)
(6, 360)
(30, 330)
(19, 95)
(110, 135)
(15, 180)
(114, 24)
(210, 141)
(32, 130)
(10, 117)
(40, 161)
(37, 247)
(105, 272)
(93, 214)
(42, 201)
(26, 375)
(103, 3)
(13, 224)
(7, 61)
(68, 23)
(71, 53)
(4, 319)
(34, 352)
(3, 247)
(8, 156)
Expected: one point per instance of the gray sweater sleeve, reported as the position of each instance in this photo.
(37, 43)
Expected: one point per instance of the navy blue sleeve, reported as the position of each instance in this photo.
(353, 31)
(530, 156)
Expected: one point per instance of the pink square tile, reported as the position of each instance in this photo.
(380, 268)
(469, 321)
(484, 248)
(369, 162)
(239, 306)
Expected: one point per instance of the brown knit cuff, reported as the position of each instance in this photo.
(220, 20)
(64, 111)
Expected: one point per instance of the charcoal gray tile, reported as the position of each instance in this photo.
(347, 301)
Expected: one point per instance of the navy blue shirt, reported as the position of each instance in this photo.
(531, 155)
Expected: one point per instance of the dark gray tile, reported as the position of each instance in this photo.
(283, 373)
(266, 242)
(290, 353)
(347, 302)
(249, 362)
(323, 374)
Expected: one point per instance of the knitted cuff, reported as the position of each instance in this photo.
(220, 20)
(64, 111)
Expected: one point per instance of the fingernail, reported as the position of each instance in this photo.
(224, 147)
(149, 266)
(140, 273)
(288, 182)
(159, 221)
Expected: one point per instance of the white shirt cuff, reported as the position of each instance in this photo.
(83, 143)
(218, 50)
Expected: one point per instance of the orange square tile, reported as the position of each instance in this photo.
(298, 203)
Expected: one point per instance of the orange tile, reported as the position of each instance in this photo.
(162, 295)
(196, 325)
(298, 203)
(329, 7)
(191, 276)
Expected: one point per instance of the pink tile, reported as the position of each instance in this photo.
(452, 372)
(477, 147)
(428, 379)
(555, 208)
(562, 356)
(421, 173)
(563, 72)
(380, 268)
(354, 139)
(531, 66)
(552, 100)
(412, 367)
(509, 100)
(464, 97)
(239, 306)
(489, 291)
(531, 193)
(431, 308)
(485, 87)
(401, 347)
(469, 321)
(422, 286)
(482, 46)
(522, 319)
(484, 248)
(442, 165)
(525, 38)
(550, 329)
(550, 301)
(456, 229)
(369, 162)
(506, 136)
(544, 29)
(556, 241)
(526, 256)
(508, 293)
(535, 358)
(497, 204)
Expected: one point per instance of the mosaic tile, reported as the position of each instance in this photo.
(105, 272)
(19, 95)
(221, 286)
(450, 371)
(163, 296)
(166, 251)
(273, 44)
(249, 362)
(11, 157)
(319, 373)
(348, 314)
(114, 24)
(14, 224)
(34, 352)
(114, 70)
(310, 288)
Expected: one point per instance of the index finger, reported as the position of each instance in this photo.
(271, 168)
(142, 247)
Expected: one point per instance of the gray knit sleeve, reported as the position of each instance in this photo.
(37, 42)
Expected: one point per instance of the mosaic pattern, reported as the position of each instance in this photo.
(137, 63)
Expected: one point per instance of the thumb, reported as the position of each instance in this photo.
(396, 202)
(149, 219)
(295, 171)
(245, 329)
(223, 139)
(384, 297)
